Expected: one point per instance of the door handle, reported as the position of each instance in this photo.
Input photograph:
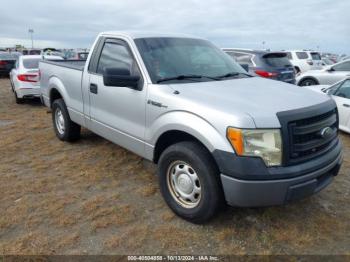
(346, 105)
(93, 88)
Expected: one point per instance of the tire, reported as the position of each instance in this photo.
(308, 82)
(196, 173)
(65, 128)
(17, 99)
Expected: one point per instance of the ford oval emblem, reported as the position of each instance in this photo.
(326, 132)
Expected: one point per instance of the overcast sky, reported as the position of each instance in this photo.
(288, 24)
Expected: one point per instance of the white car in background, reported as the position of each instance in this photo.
(24, 77)
(327, 76)
(340, 92)
(304, 61)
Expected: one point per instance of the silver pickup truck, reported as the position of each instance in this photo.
(217, 134)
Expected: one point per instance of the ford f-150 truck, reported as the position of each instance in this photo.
(217, 134)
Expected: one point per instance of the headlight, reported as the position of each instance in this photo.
(264, 143)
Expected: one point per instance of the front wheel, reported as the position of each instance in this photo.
(65, 128)
(190, 182)
(308, 82)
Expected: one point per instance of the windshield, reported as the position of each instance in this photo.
(277, 60)
(172, 57)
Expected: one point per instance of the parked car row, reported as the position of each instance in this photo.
(8, 59)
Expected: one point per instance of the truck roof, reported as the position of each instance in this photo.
(145, 34)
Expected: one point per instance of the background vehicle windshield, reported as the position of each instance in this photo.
(171, 57)
(34, 52)
(31, 63)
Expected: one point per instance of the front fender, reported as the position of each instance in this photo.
(191, 124)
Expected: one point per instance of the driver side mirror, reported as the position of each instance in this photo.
(120, 77)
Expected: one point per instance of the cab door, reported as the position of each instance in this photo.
(117, 112)
(342, 98)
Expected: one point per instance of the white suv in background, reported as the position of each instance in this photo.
(303, 60)
(24, 77)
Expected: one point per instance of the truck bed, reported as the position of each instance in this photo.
(73, 64)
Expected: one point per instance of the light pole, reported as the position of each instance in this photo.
(31, 31)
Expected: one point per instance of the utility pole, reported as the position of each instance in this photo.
(31, 32)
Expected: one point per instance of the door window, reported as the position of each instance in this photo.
(116, 55)
(302, 55)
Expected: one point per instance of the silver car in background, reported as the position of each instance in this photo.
(327, 76)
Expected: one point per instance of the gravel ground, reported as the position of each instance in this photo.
(93, 197)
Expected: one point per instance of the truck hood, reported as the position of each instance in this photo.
(257, 97)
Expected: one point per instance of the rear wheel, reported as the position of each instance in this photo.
(308, 82)
(65, 128)
(189, 182)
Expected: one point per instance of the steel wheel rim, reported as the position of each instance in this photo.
(59, 120)
(183, 184)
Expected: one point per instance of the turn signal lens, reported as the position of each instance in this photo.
(236, 138)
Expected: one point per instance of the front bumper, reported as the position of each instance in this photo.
(259, 186)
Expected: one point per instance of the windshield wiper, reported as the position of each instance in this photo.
(232, 74)
(183, 77)
(179, 77)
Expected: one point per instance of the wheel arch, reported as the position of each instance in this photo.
(56, 90)
(179, 126)
(171, 137)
